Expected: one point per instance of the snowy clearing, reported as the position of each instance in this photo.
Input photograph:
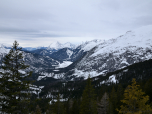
(64, 64)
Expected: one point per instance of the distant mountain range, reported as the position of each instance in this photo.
(99, 57)
(53, 46)
(93, 58)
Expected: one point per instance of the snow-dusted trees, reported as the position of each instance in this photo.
(14, 95)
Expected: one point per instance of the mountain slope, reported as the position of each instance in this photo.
(94, 57)
(63, 54)
(135, 46)
(3, 51)
(83, 48)
(37, 63)
(58, 45)
(68, 51)
(140, 71)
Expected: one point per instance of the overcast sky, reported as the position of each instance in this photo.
(41, 22)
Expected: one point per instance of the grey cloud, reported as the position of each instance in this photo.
(14, 30)
(56, 19)
(143, 20)
(31, 33)
(42, 35)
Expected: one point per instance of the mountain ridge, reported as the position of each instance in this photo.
(132, 47)
(97, 56)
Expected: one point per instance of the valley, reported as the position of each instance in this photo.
(64, 68)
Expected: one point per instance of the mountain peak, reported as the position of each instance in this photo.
(69, 45)
(90, 44)
(55, 45)
(5, 45)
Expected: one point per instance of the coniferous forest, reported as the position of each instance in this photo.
(131, 94)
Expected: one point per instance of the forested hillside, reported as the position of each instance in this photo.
(109, 93)
(111, 86)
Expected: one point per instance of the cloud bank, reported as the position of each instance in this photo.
(37, 22)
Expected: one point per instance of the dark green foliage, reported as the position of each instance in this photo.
(42, 103)
(114, 100)
(88, 103)
(140, 71)
(58, 107)
(74, 107)
(74, 89)
(38, 110)
(49, 112)
(148, 88)
(14, 86)
(120, 91)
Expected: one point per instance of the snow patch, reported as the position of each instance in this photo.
(55, 70)
(64, 64)
(81, 73)
(112, 79)
(69, 53)
(40, 78)
(21, 71)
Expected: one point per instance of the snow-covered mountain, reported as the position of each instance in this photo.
(73, 54)
(38, 63)
(114, 54)
(88, 45)
(53, 46)
(3, 51)
(7, 46)
(93, 57)
(57, 45)
(63, 54)
(69, 45)
(81, 50)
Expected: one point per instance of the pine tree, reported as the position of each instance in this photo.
(135, 102)
(38, 110)
(13, 85)
(49, 112)
(88, 104)
(120, 92)
(103, 104)
(148, 89)
(75, 107)
(69, 106)
(113, 102)
(58, 106)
